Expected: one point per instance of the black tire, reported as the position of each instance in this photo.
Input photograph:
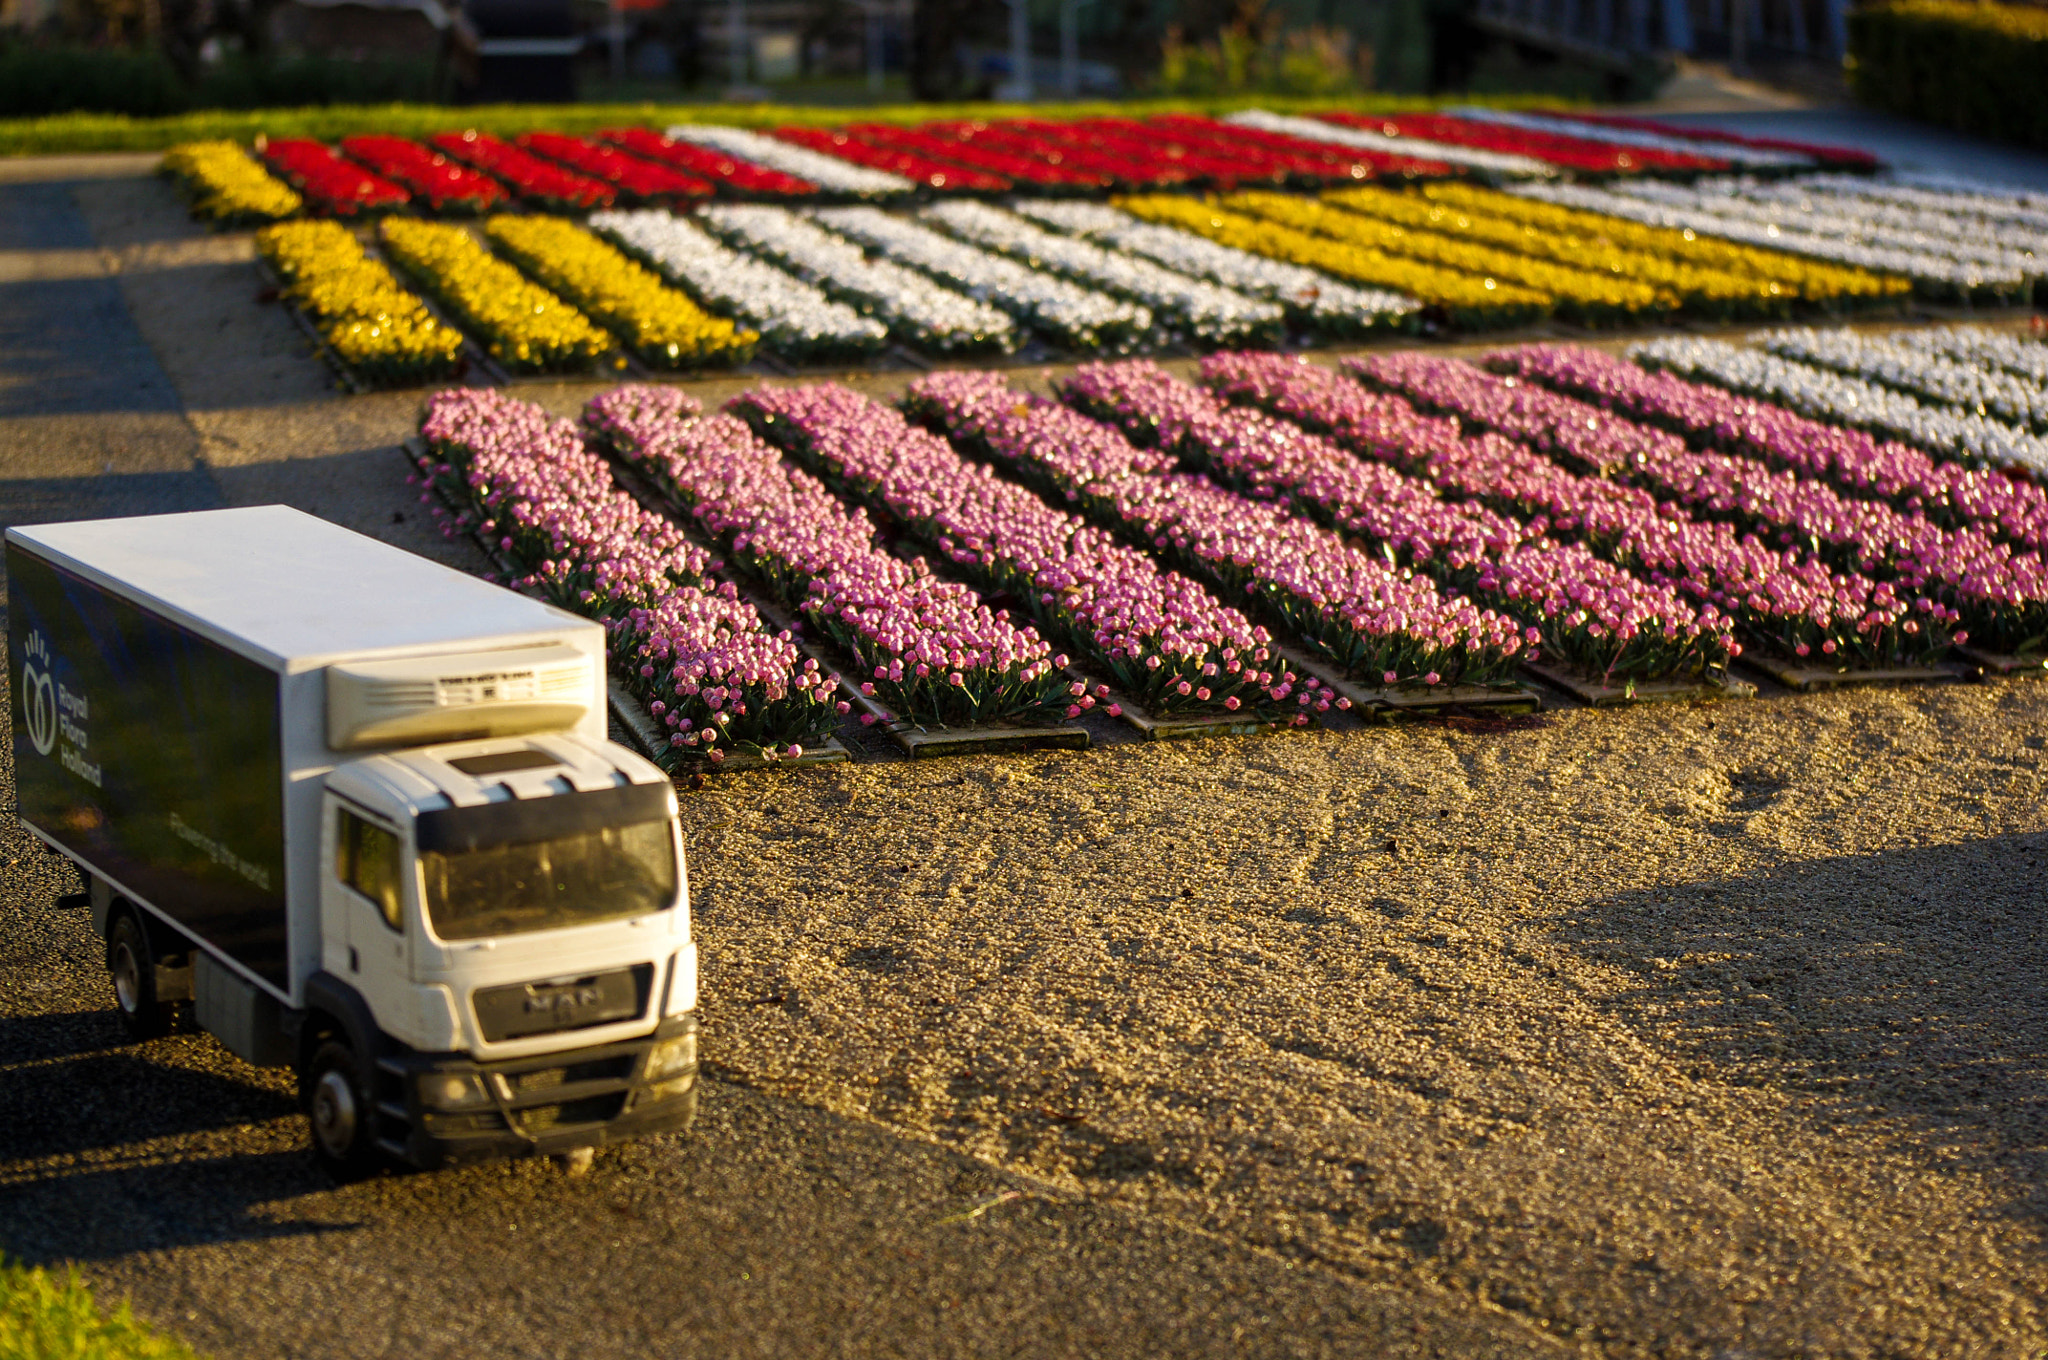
(131, 965)
(340, 1115)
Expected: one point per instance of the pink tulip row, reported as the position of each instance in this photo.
(1591, 614)
(1854, 460)
(930, 649)
(1165, 640)
(1378, 623)
(1948, 575)
(697, 654)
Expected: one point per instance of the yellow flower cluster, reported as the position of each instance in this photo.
(525, 327)
(1474, 303)
(383, 334)
(1576, 294)
(659, 323)
(226, 185)
(1714, 277)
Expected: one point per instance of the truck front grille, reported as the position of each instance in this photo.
(549, 1007)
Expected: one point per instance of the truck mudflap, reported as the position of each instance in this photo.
(437, 1110)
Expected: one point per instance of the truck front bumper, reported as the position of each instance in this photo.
(556, 1102)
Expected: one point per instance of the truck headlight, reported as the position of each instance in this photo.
(452, 1091)
(671, 1056)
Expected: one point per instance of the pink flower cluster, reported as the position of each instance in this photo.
(1374, 620)
(1587, 612)
(700, 656)
(931, 650)
(1168, 642)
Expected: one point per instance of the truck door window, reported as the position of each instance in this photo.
(367, 859)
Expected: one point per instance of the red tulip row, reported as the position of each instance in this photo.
(539, 182)
(636, 180)
(1587, 153)
(442, 184)
(332, 186)
(909, 164)
(729, 173)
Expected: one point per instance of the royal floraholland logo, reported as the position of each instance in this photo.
(39, 694)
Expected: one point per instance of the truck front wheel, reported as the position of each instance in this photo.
(131, 963)
(337, 1100)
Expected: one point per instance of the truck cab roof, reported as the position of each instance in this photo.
(471, 774)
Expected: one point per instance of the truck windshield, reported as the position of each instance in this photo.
(601, 874)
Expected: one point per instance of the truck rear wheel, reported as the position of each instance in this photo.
(131, 964)
(336, 1094)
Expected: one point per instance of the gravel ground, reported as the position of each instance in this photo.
(1714, 1030)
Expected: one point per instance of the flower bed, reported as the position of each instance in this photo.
(540, 183)
(797, 321)
(659, 324)
(382, 334)
(1587, 613)
(1374, 621)
(1934, 379)
(730, 173)
(1205, 312)
(1378, 139)
(916, 310)
(979, 154)
(1753, 159)
(913, 166)
(1071, 149)
(443, 185)
(929, 649)
(1588, 155)
(636, 180)
(330, 185)
(1947, 492)
(2012, 354)
(1070, 315)
(1462, 299)
(226, 186)
(522, 326)
(829, 173)
(1710, 140)
(698, 655)
(1281, 155)
(1314, 302)
(1166, 641)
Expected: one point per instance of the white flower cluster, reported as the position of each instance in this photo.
(1987, 348)
(796, 320)
(1844, 400)
(1315, 300)
(915, 309)
(1979, 195)
(1709, 209)
(1213, 314)
(1071, 315)
(1504, 164)
(1735, 153)
(827, 172)
(1930, 221)
(1932, 377)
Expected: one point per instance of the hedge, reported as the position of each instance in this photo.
(1977, 68)
(75, 133)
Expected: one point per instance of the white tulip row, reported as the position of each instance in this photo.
(795, 319)
(1733, 152)
(1979, 194)
(1504, 164)
(1913, 370)
(1991, 349)
(1211, 313)
(1315, 300)
(1070, 314)
(915, 309)
(827, 172)
(1994, 241)
(1934, 270)
(1843, 400)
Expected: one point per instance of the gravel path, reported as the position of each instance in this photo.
(1714, 1030)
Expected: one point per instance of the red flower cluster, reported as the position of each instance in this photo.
(444, 185)
(332, 186)
(637, 181)
(921, 169)
(537, 181)
(1066, 147)
(1841, 157)
(1588, 154)
(727, 172)
(961, 146)
(1292, 157)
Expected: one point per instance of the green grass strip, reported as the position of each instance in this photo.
(43, 1317)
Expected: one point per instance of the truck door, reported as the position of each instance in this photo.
(366, 894)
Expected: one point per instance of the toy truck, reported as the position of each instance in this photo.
(359, 810)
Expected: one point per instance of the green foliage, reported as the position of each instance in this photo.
(1307, 62)
(43, 80)
(43, 1317)
(75, 133)
(1977, 68)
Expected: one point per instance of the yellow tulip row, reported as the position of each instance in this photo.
(226, 185)
(381, 332)
(1469, 301)
(659, 323)
(1576, 294)
(523, 326)
(1716, 278)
